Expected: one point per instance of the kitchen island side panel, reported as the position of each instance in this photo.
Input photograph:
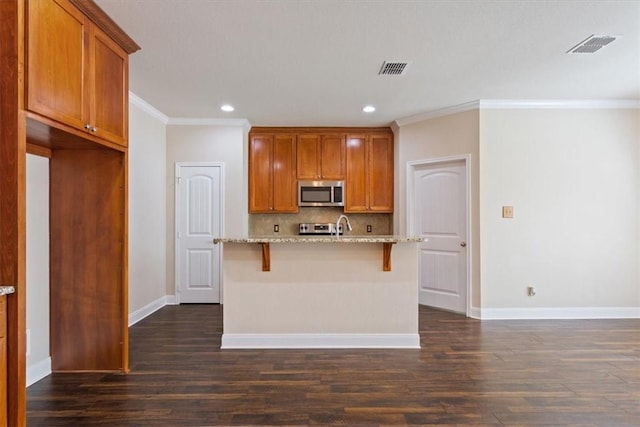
(315, 289)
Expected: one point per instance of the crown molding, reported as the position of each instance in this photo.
(460, 108)
(568, 104)
(494, 104)
(106, 24)
(148, 108)
(187, 121)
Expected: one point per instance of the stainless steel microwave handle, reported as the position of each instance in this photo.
(6, 290)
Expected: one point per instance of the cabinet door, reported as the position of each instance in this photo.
(56, 64)
(109, 66)
(260, 177)
(308, 157)
(333, 157)
(381, 172)
(284, 174)
(356, 178)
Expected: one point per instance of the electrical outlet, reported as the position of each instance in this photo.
(369, 228)
(276, 228)
(531, 291)
(507, 212)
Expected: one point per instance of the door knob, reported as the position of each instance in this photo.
(463, 244)
(6, 290)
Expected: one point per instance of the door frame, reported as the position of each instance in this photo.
(176, 257)
(412, 167)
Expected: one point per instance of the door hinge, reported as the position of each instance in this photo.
(7, 290)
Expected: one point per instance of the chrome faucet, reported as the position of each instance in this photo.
(338, 224)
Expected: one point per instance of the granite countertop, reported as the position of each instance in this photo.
(321, 239)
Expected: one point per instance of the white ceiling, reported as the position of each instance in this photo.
(316, 63)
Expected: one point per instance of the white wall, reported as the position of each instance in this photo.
(38, 356)
(147, 206)
(204, 143)
(572, 176)
(573, 179)
(456, 134)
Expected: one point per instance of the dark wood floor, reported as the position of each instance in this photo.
(525, 373)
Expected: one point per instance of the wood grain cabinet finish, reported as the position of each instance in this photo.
(76, 75)
(88, 292)
(272, 173)
(108, 93)
(369, 177)
(76, 102)
(356, 188)
(362, 157)
(321, 157)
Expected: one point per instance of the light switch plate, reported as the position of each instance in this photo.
(507, 212)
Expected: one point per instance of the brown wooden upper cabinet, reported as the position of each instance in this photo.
(369, 175)
(76, 74)
(321, 157)
(272, 173)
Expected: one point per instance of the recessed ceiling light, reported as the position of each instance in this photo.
(228, 108)
(368, 108)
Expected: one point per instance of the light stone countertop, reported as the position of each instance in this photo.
(321, 239)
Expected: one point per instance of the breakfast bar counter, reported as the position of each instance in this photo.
(320, 292)
(386, 241)
(322, 239)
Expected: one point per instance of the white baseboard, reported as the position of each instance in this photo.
(560, 313)
(38, 371)
(151, 308)
(320, 341)
(148, 309)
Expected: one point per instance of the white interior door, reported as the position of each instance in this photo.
(440, 215)
(198, 221)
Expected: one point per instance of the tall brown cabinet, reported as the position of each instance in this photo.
(272, 173)
(64, 95)
(369, 173)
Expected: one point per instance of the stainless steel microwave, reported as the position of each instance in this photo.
(320, 193)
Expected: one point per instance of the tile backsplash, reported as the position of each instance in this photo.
(263, 224)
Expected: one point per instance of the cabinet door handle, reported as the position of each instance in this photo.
(94, 129)
(87, 126)
(463, 244)
(6, 290)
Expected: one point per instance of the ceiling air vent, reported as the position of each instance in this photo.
(592, 44)
(393, 68)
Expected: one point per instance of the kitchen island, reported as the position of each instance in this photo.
(320, 292)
